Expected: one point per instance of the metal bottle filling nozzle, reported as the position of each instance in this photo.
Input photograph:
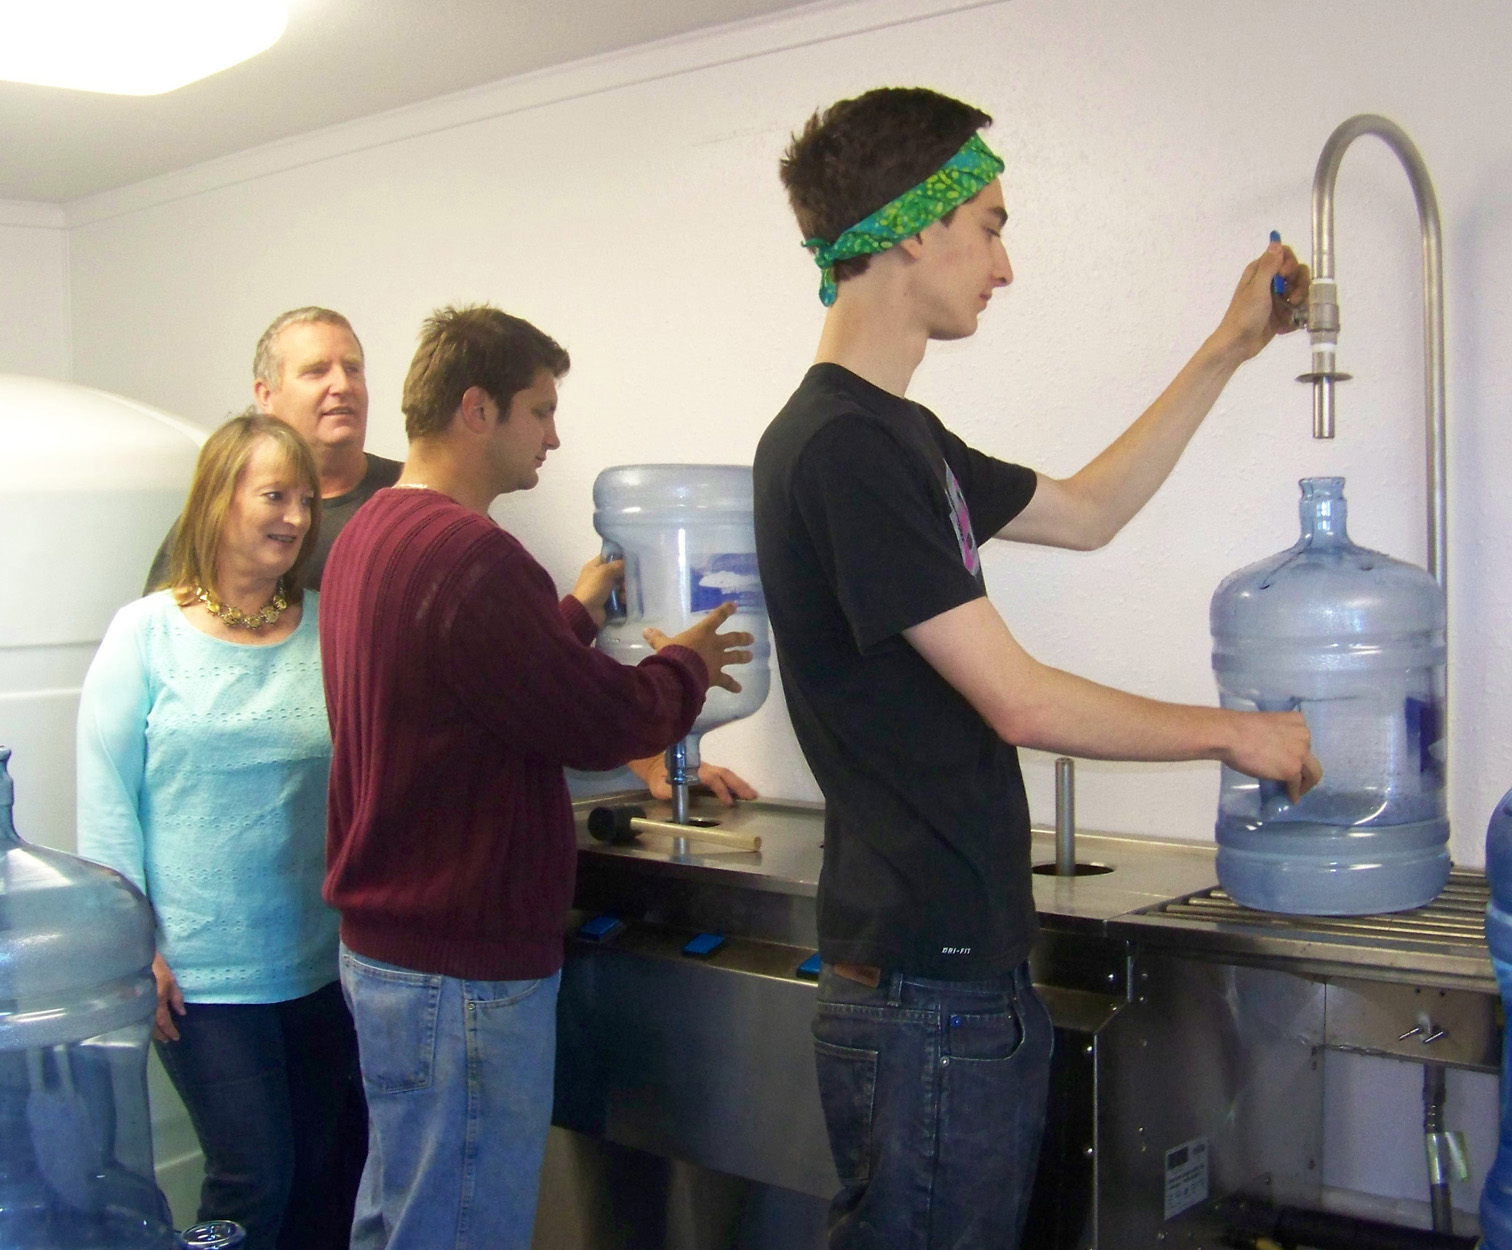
(1322, 316)
(682, 774)
(1322, 321)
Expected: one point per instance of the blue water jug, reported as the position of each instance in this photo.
(1496, 1196)
(76, 1004)
(1355, 640)
(687, 536)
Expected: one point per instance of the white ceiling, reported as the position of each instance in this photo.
(338, 60)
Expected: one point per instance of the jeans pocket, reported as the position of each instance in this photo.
(502, 993)
(396, 1013)
(847, 1090)
(986, 1036)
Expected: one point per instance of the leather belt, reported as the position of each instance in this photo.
(863, 974)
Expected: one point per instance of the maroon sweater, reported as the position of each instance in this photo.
(458, 687)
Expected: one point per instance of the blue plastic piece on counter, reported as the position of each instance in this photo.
(1355, 641)
(704, 945)
(600, 928)
(1496, 1195)
(809, 968)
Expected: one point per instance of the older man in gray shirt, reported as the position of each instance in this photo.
(309, 372)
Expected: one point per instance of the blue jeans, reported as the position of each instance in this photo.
(458, 1079)
(265, 1084)
(934, 1096)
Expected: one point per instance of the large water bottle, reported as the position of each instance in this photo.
(688, 540)
(1496, 1195)
(1355, 640)
(76, 1005)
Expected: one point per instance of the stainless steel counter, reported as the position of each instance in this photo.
(1441, 945)
(1180, 1018)
(1147, 871)
(1160, 891)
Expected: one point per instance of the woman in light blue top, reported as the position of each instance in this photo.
(203, 754)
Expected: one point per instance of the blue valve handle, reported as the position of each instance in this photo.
(1278, 283)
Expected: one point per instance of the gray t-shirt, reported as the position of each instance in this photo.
(334, 514)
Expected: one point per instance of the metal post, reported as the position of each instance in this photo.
(1435, 1139)
(1065, 817)
(679, 777)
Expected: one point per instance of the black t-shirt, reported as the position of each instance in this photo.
(334, 514)
(866, 511)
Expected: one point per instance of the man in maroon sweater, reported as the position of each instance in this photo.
(458, 687)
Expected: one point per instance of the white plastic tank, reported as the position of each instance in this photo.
(89, 484)
(687, 536)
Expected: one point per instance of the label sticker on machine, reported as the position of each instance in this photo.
(1186, 1176)
(724, 578)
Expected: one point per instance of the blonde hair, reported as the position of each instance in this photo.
(223, 458)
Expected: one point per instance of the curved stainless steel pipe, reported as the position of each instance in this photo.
(1323, 308)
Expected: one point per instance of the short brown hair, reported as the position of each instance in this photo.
(474, 346)
(267, 360)
(859, 154)
(222, 459)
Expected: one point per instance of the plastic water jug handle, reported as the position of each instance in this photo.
(1273, 797)
(614, 606)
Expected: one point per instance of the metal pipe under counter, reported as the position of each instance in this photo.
(1189, 1031)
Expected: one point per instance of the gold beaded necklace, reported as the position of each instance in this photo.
(235, 617)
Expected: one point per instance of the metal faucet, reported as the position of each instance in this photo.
(682, 775)
(1322, 318)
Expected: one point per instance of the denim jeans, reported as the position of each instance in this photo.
(265, 1084)
(458, 1079)
(934, 1096)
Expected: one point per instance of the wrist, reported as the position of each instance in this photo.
(1228, 733)
(595, 613)
(1222, 352)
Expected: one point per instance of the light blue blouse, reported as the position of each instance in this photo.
(202, 778)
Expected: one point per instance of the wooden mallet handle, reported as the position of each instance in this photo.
(618, 825)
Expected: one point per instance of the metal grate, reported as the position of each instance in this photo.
(1455, 920)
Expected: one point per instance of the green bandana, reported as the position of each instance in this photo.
(950, 186)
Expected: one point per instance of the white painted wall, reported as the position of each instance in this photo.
(34, 290)
(630, 207)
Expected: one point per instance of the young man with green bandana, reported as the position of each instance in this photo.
(907, 691)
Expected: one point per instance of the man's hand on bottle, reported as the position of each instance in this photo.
(595, 582)
(717, 651)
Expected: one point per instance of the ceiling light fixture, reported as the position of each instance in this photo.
(132, 47)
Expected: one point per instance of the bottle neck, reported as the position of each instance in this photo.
(1323, 515)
